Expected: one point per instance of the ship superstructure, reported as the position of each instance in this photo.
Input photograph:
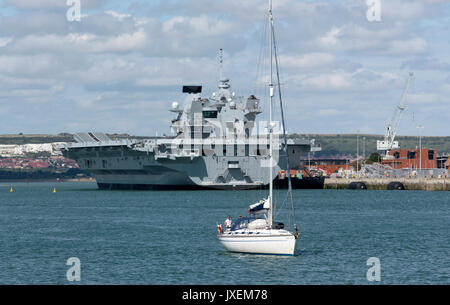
(216, 145)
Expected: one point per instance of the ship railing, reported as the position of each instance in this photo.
(178, 153)
(96, 144)
(187, 152)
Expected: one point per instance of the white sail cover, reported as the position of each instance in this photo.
(263, 205)
(257, 224)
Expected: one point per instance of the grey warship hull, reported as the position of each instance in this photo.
(124, 165)
(305, 183)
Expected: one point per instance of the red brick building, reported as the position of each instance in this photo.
(412, 158)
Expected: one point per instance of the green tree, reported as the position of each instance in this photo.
(374, 157)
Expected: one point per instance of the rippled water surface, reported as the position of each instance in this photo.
(135, 237)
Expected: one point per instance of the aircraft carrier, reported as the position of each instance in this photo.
(216, 145)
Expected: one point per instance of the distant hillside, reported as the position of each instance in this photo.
(45, 138)
(336, 144)
(332, 144)
(34, 138)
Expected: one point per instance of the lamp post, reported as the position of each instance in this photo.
(420, 127)
(364, 150)
(357, 151)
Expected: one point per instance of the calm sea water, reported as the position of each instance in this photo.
(134, 237)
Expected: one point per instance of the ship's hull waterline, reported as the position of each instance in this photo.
(305, 183)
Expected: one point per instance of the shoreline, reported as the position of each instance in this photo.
(416, 184)
(47, 180)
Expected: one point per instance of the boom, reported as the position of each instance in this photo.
(391, 128)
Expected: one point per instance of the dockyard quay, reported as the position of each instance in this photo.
(426, 184)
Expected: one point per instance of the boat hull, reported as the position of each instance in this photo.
(311, 183)
(270, 244)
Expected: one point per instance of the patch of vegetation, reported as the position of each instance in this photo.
(335, 144)
(18, 139)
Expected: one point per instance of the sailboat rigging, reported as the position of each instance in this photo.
(259, 233)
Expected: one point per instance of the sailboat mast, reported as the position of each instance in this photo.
(271, 93)
(288, 169)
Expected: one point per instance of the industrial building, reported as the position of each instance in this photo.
(412, 158)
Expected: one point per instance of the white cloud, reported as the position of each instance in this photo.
(202, 25)
(402, 10)
(331, 38)
(446, 88)
(424, 98)
(34, 65)
(308, 61)
(118, 16)
(49, 4)
(128, 63)
(36, 4)
(330, 112)
(384, 41)
(408, 46)
(81, 43)
(326, 82)
(4, 41)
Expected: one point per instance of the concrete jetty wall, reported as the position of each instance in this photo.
(426, 184)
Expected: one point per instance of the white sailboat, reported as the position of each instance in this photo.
(259, 233)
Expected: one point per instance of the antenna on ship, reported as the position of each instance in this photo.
(220, 64)
(222, 79)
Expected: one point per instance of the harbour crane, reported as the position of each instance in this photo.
(391, 128)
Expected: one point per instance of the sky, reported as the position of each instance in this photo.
(119, 68)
